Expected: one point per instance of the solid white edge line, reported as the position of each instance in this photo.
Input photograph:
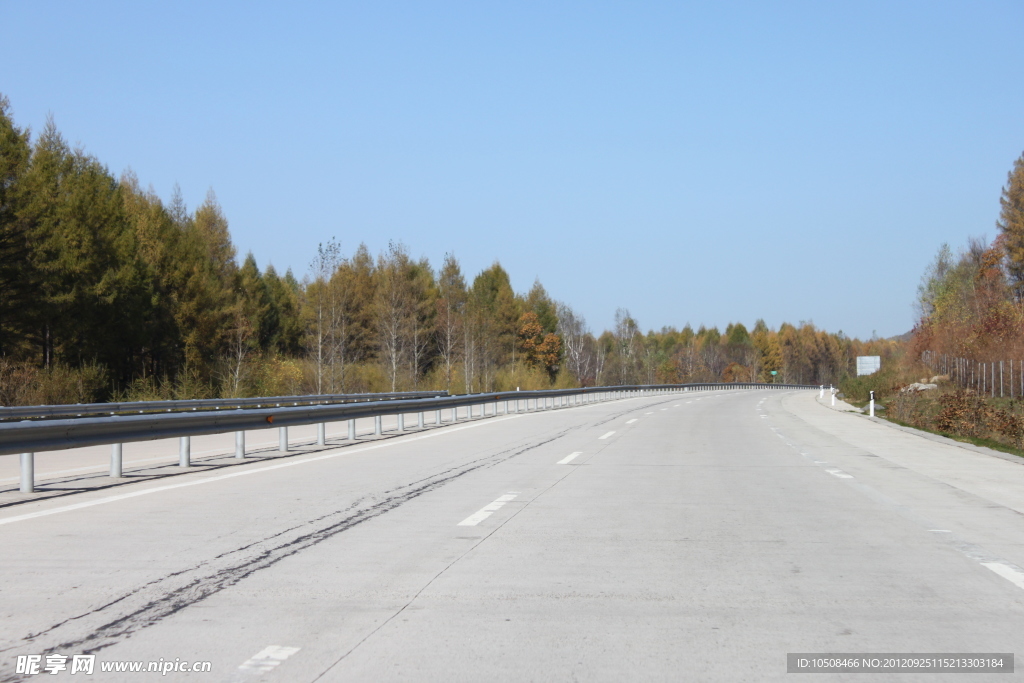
(569, 458)
(231, 475)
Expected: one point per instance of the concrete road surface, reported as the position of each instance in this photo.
(698, 536)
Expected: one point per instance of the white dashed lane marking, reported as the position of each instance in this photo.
(569, 458)
(605, 436)
(1011, 574)
(268, 659)
(1003, 568)
(487, 510)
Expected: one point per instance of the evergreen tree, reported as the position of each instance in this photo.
(156, 244)
(451, 315)
(543, 306)
(284, 293)
(494, 311)
(255, 303)
(19, 279)
(1011, 225)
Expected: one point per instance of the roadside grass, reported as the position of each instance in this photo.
(976, 441)
(922, 410)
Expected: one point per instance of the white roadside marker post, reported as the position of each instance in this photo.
(184, 451)
(115, 460)
(28, 472)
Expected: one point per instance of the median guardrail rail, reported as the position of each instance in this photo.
(30, 436)
(84, 409)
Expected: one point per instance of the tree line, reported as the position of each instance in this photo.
(107, 291)
(970, 308)
(971, 304)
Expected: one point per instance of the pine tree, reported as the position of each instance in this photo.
(18, 278)
(1011, 225)
(451, 315)
(540, 303)
(494, 312)
(284, 293)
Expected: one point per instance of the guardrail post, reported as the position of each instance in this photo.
(282, 439)
(185, 451)
(240, 444)
(377, 429)
(437, 417)
(419, 421)
(115, 460)
(28, 472)
(352, 429)
(401, 422)
(321, 434)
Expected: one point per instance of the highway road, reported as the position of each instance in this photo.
(697, 536)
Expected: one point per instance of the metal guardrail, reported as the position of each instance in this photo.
(83, 409)
(31, 436)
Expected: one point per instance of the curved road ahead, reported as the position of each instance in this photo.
(697, 536)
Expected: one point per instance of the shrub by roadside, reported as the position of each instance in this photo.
(962, 414)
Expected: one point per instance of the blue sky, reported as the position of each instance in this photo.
(693, 162)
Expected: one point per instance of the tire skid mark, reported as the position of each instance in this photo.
(139, 608)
